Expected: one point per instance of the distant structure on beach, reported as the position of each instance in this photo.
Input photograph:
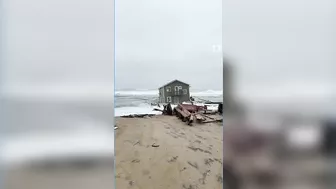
(174, 92)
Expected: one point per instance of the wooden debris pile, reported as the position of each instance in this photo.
(182, 113)
(188, 113)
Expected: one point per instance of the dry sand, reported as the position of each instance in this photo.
(187, 157)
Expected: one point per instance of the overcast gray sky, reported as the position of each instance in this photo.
(158, 41)
(69, 43)
(288, 45)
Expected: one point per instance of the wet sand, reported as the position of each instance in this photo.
(164, 152)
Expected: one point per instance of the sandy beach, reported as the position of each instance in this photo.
(164, 152)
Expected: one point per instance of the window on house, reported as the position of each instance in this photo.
(168, 99)
(168, 89)
(185, 91)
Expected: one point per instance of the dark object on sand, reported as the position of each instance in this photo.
(155, 145)
(220, 108)
(167, 109)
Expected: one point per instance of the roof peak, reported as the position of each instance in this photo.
(173, 82)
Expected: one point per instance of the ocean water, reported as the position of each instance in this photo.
(140, 101)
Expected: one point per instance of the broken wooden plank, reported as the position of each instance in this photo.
(156, 109)
(199, 118)
(211, 121)
(184, 114)
(186, 111)
(191, 119)
(192, 108)
(209, 117)
(181, 113)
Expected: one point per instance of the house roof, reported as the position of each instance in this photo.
(173, 82)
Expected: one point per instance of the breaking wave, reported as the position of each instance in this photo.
(140, 101)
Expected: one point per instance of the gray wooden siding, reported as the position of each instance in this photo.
(182, 97)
